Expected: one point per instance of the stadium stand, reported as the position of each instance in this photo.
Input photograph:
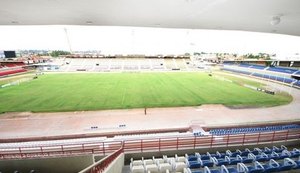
(246, 161)
(14, 64)
(181, 63)
(9, 72)
(245, 65)
(253, 129)
(205, 158)
(282, 70)
(260, 67)
(278, 74)
(237, 71)
(124, 64)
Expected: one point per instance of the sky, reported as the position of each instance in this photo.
(138, 40)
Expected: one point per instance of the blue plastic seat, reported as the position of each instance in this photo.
(276, 149)
(235, 160)
(262, 157)
(248, 159)
(269, 169)
(267, 150)
(207, 163)
(215, 171)
(221, 161)
(194, 165)
(232, 170)
(256, 151)
(274, 156)
(256, 168)
(284, 154)
(222, 169)
(192, 158)
(220, 155)
(271, 166)
(245, 153)
(298, 164)
(295, 153)
(204, 157)
(287, 164)
(188, 170)
(285, 167)
(197, 171)
(233, 154)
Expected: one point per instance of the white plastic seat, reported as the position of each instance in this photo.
(137, 162)
(180, 159)
(138, 169)
(179, 166)
(171, 160)
(163, 167)
(187, 170)
(153, 168)
(159, 161)
(148, 162)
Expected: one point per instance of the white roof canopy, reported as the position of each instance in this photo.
(247, 15)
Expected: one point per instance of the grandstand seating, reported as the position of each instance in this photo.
(253, 129)
(228, 63)
(245, 65)
(259, 71)
(258, 160)
(237, 71)
(14, 64)
(123, 64)
(275, 69)
(169, 63)
(260, 67)
(9, 72)
(297, 83)
(282, 70)
(181, 63)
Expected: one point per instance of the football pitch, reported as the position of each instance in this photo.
(96, 91)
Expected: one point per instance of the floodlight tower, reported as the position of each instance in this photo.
(68, 40)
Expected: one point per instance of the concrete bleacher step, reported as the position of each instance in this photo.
(126, 169)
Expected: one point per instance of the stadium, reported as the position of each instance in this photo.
(139, 112)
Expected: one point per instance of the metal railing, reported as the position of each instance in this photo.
(148, 145)
(102, 164)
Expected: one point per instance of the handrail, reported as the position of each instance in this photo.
(149, 144)
(102, 164)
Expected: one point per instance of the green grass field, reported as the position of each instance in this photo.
(72, 92)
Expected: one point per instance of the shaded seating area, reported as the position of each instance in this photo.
(253, 129)
(282, 70)
(256, 163)
(279, 74)
(257, 160)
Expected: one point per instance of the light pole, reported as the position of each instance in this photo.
(68, 40)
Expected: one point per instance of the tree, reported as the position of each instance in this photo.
(56, 53)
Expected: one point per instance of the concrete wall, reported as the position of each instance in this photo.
(117, 165)
(48, 165)
(97, 158)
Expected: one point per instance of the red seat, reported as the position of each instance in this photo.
(8, 72)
